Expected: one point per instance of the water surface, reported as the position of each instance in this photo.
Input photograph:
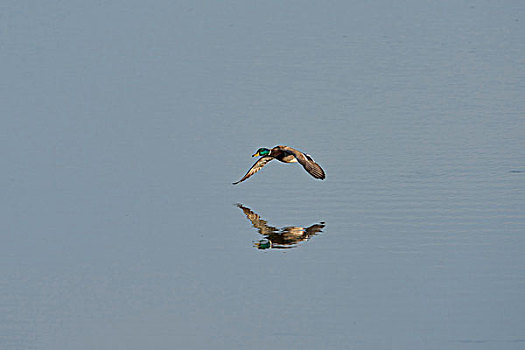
(124, 125)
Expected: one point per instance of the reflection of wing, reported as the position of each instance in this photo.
(307, 162)
(296, 234)
(314, 229)
(255, 168)
(260, 224)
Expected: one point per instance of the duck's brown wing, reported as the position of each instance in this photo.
(255, 168)
(307, 162)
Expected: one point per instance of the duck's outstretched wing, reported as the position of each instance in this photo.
(307, 162)
(255, 168)
(311, 167)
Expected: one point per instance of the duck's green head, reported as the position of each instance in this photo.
(261, 152)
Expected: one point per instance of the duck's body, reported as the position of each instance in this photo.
(279, 153)
(284, 154)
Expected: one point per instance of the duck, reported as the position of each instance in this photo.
(284, 154)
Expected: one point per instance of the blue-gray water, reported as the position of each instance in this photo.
(124, 124)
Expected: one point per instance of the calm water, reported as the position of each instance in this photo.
(125, 123)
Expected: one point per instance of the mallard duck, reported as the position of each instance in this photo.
(284, 154)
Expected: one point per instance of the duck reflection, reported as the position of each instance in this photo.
(285, 238)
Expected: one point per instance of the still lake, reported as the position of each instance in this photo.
(124, 124)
